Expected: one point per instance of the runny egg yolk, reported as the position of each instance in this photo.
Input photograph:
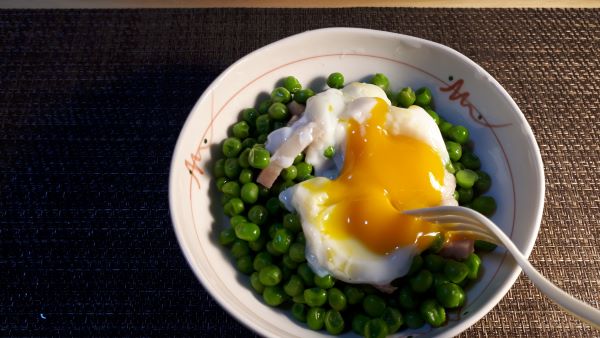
(383, 175)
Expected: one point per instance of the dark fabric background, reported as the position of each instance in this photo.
(91, 104)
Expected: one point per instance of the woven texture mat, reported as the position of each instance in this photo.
(92, 102)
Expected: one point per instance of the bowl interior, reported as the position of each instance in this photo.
(463, 92)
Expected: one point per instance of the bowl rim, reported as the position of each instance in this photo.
(476, 315)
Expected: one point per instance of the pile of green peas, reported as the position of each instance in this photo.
(268, 244)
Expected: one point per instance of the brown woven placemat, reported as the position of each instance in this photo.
(91, 103)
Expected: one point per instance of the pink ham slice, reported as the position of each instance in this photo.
(285, 154)
(459, 249)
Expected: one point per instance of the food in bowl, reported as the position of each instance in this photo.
(302, 175)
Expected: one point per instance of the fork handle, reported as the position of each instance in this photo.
(579, 309)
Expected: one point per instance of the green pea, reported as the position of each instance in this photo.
(358, 323)
(407, 299)
(231, 147)
(484, 204)
(243, 159)
(232, 168)
(413, 319)
(271, 250)
(433, 313)
(455, 271)
(262, 259)
(376, 328)
(249, 193)
(464, 195)
(466, 178)
(483, 183)
(416, 265)
(450, 167)
(220, 181)
(280, 95)
(272, 205)
(264, 105)
(278, 112)
(241, 130)
(434, 263)
(282, 240)
(244, 264)
(315, 318)
(289, 173)
(283, 185)
(424, 97)
(297, 253)
(239, 248)
(393, 319)
(473, 262)
(456, 195)
(421, 282)
(299, 312)
(337, 299)
(227, 236)
(219, 168)
(335, 80)
(353, 294)
(470, 160)
(315, 296)
(450, 295)
(263, 124)
(302, 95)
(292, 84)
(249, 115)
(255, 282)
(306, 273)
(484, 246)
(237, 219)
(406, 97)
(258, 214)
(459, 134)
(303, 171)
(247, 231)
(246, 176)
(259, 158)
(458, 166)
(373, 305)
(248, 142)
(294, 286)
(433, 115)
(329, 152)
(234, 207)
(231, 188)
(299, 158)
(259, 244)
(381, 81)
(445, 127)
(439, 279)
(273, 229)
(436, 244)
(288, 262)
(325, 282)
(262, 138)
(270, 275)
(292, 222)
(454, 150)
(334, 322)
(224, 200)
(273, 295)
(392, 97)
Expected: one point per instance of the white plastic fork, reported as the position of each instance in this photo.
(459, 217)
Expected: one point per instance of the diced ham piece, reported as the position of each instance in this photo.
(458, 249)
(296, 108)
(285, 154)
(387, 288)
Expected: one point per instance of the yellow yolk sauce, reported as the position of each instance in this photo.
(383, 175)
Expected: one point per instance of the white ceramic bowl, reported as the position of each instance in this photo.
(464, 93)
